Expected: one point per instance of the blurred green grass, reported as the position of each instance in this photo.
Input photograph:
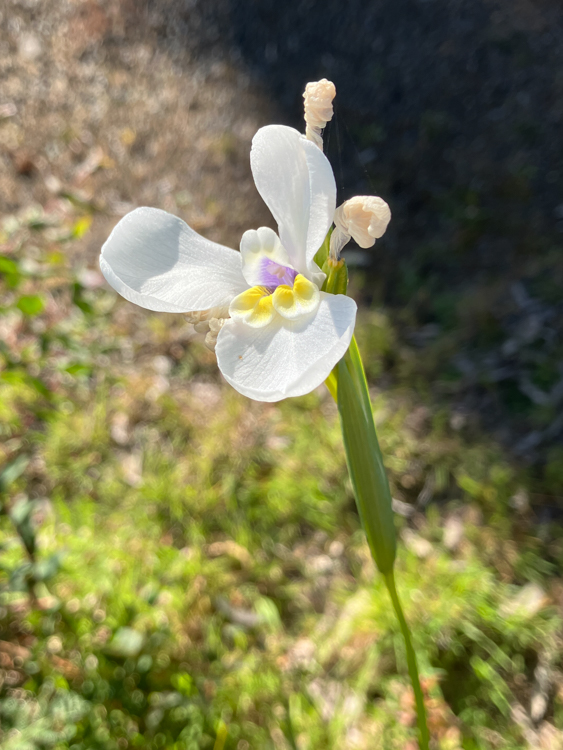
(177, 561)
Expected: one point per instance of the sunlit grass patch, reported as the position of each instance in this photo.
(173, 556)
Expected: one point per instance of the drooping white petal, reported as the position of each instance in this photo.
(154, 259)
(295, 180)
(286, 358)
(264, 260)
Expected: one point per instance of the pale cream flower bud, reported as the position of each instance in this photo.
(363, 218)
(209, 322)
(204, 316)
(215, 325)
(318, 98)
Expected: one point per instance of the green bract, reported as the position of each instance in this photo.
(364, 460)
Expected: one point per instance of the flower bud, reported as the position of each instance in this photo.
(209, 322)
(204, 316)
(215, 325)
(364, 218)
(336, 276)
(318, 98)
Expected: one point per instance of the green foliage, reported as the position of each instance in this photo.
(180, 567)
(30, 304)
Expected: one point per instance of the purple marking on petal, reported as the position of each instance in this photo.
(273, 274)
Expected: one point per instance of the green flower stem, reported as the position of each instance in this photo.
(348, 385)
(332, 384)
(411, 662)
(221, 737)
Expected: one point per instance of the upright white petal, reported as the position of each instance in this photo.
(286, 358)
(262, 257)
(295, 180)
(157, 261)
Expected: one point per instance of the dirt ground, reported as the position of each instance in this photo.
(92, 108)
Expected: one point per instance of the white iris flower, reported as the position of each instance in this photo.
(278, 334)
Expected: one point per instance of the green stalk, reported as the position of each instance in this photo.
(348, 385)
(411, 662)
(221, 737)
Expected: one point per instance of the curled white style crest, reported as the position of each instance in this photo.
(277, 334)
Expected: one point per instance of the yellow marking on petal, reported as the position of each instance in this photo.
(246, 301)
(306, 293)
(262, 314)
(283, 299)
(253, 307)
(293, 303)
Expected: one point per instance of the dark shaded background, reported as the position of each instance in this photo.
(451, 111)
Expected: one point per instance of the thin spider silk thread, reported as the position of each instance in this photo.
(334, 124)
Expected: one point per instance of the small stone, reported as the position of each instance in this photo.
(538, 707)
(90, 278)
(120, 428)
(53, 184)
(301, 654)
(54, 644)
(161, 364)
(73, 605)
(126, 643)
(530, 600)
(8, 110)
(132, 469)
(420, 547)
(520, 501)
(403, 509)
(336, 549)
(29, 46)
(543, 680)
(453, 533)
(277, 442)
(320, 565)
(208, 394)
(458, 420)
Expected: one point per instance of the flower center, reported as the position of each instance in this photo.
(272, 274)
(259, 305)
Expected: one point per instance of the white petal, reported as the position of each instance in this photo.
(286, 358)
(157, 261)
(295, 179)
